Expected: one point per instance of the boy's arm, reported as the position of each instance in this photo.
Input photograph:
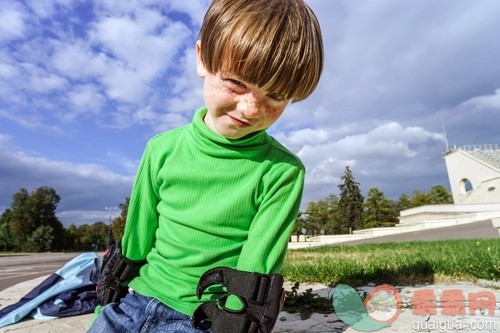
(141, 217)
(142, 222)
(265, 248)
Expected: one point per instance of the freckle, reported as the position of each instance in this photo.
(271, 112)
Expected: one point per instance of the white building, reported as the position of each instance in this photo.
(474, 174)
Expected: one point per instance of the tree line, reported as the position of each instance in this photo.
(351, 211)
(31, 224)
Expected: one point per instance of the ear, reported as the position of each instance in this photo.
(200, 66)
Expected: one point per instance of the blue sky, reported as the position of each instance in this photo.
(85, 84)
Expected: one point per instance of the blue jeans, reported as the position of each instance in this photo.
(140, 314)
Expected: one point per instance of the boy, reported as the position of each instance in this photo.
(220, 191)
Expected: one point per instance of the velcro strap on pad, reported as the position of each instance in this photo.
(250, 286)
(125, 269)
(115, 269)
(262, 296)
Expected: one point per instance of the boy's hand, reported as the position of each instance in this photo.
(114, 274)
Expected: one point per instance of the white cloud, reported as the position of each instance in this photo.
(187, 90)
(373, 154)
(139, 50)
(485, 101)
(84, 99)
(8, 71)
(13, 24)
(116, 60)
(47, 8)
(80, 186)
(30, 122)
(75, 59)
(42, 81)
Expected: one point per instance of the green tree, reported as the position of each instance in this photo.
(321, 217)
(315, 219)
(418, 198)
(92, 237)
(98, 233)
(44, 201)
(118, 224)
(6, 238)
(84, 237)
(331, 207)
(403, 202)
(29, 212)
(298, 226)
(21, 223)
(438, 195)
(72, 238)
(379, 211)
(40, 240)
(350, 203)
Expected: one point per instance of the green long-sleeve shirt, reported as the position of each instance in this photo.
(200, 201)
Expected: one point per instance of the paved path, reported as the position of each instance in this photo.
(18, 268)
(481, 229)
(407, 321)
(469, 230)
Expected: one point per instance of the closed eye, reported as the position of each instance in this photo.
(235, 86)
(236, 82)
(276, 96)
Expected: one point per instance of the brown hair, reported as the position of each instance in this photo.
(274, 44)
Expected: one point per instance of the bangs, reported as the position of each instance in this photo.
(275, 52)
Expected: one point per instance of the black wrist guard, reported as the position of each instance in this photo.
(115, 269)
(262, 296)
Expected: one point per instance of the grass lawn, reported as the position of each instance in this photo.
(403, 263)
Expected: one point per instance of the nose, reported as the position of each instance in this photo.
(250, 107)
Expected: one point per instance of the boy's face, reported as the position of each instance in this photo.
(237, 108)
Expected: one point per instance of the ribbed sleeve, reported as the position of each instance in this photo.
(200, 200)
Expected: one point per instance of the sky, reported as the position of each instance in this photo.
(85, 83)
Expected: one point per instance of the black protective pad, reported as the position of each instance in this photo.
(262, 296)
(115, 269)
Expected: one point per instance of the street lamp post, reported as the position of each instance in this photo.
(110, 209)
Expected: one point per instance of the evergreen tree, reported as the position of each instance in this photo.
(314, 218)
(418, 198)
(350, 203)
(379, 211)
(439, 195)
(333, 225)
(403, 203)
